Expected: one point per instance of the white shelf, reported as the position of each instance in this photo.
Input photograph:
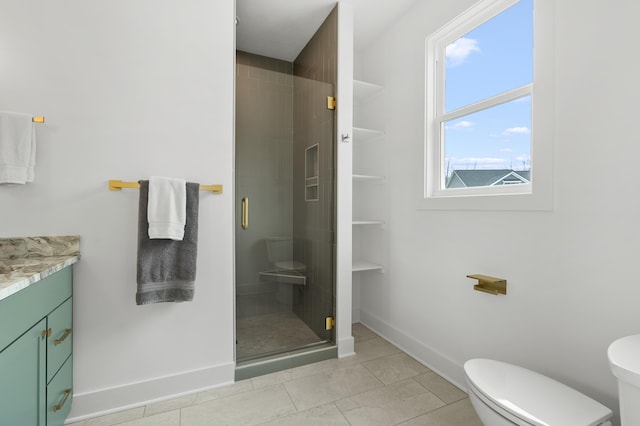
(368, 222)
(362, 134)
(363, 90)
(363, 265)
(367, 178)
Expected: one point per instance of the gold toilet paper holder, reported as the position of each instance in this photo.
(489, 284)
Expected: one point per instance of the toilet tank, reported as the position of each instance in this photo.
(279, 249)
(624, 361)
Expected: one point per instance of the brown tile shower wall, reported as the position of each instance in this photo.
(315, 71)
(264, 148)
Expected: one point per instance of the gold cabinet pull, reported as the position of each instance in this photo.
(66, 334)
(58, 407)
(46, 333)
(245, 213)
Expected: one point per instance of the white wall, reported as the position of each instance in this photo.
(572, 272)
(129, 90)
(344, 188)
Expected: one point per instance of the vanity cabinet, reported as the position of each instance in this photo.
(36, 371)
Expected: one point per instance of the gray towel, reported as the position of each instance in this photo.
(167, 268)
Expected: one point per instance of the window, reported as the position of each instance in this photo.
(481, 103)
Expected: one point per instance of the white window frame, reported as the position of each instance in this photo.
(536, 195)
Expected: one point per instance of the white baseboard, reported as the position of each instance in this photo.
(446, 367)
(346, 347)
(118, 398)
(106, 401)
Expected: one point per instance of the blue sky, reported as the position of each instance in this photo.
(493, 58)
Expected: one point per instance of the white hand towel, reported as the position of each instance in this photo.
(167, 209)
(17, 147)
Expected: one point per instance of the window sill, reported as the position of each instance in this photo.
(541, 199)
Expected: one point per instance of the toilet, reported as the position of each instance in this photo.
(280, 254)
(503, 394)
(283, 270)
(624, 360)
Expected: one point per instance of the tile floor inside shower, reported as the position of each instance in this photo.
(380, 385)
(261, 335)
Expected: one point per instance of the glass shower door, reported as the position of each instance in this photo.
(285, 200)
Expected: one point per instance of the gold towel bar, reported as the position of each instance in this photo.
(116, 185)
(38, 119)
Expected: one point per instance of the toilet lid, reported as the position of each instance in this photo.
(532, 397)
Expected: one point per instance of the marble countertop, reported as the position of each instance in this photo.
(24, 261)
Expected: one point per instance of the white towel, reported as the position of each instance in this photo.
(17, 147)
(167, 209)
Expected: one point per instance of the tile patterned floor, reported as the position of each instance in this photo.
(262, 334)
(381, 385)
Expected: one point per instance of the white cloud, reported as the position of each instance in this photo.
(516, 131)
(476, 163)
(458, 51)
(464, 124)
(483, 160)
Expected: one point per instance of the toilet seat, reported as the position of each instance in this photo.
(530, 398)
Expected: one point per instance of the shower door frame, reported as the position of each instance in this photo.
(309, 242)
(344, 307)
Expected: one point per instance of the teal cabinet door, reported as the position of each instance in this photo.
(60, 342)
(60, 394)
(22, 379)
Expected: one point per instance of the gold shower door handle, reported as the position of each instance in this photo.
(245, 213)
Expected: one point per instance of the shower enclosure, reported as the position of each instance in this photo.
(285, 199)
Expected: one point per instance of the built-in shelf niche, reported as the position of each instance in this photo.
(362, 137)
(367, 178)
(364, 265)
(368, 222)
(311, 170)
(362, 134)
(363, 91)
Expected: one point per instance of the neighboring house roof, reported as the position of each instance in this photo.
(468, 178)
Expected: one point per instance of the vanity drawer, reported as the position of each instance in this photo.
(60, 394)
(60, 342)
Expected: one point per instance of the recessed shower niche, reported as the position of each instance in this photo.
(285, 153)
(311, 181)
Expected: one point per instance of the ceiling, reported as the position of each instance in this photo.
(281, 28)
